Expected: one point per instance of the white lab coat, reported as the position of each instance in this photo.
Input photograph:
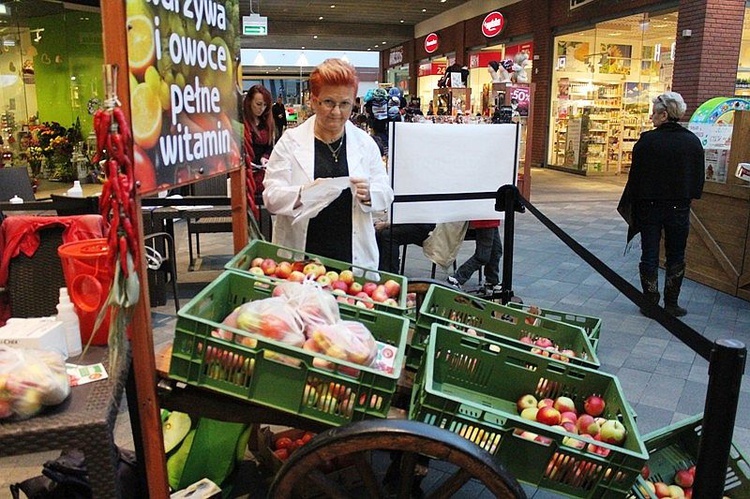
(291, 166)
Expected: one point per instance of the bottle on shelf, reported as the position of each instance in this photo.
(67, 315)
(76, 191)
(15, 200)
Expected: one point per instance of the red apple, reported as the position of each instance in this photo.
(573, 442)
(570, 427)
(256, 271)
(587, 425)
(645, 471)
(613, 432)
(392, 288)
(526, 339)
(568, 416)
(257, 262)
(354, 287)
(661, 489)
(312, 269)
(347, 276)
(369, 287)
(684, 479)
(340, 285)
(548, 415)
(545, 402)
(391, 302)
(379, 295)
(594, 405)
(296, 276)
(268, 266)
(689, 493)
(543, 342)
(324, 281)
(283, 270)
(565, 404)
(525, 401)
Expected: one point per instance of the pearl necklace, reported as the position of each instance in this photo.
(335, 151)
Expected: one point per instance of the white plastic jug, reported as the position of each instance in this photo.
(76, 191)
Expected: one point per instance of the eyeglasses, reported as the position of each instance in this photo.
(329, 104)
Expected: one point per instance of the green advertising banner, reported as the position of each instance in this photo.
(183, 59)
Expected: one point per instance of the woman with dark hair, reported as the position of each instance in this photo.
(258, 140)
(326, 146)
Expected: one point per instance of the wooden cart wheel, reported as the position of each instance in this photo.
(357, 460)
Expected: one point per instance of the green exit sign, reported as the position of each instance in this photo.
(255, 30)
(254, 25)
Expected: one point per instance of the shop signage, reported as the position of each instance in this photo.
(431, 43)
(184, 122)
(512, 50)
(254, 25)
(396, 56)
(432, 69)
(493, 24)
(574, 4)
(482, 59)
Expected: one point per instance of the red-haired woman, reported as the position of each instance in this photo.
(325, 146)
(258, 140)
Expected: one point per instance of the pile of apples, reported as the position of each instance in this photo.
(561, 413)
(682, 488)
(337, 399)
(547, 348)
(284, 445)
(341, 284)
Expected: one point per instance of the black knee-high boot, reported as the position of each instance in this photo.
(672, 285)
(650, 285)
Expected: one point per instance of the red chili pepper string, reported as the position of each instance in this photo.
(124, 255)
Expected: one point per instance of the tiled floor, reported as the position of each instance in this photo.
(662, 379)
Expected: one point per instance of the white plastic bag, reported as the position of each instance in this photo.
(30, 380)
(314, 305)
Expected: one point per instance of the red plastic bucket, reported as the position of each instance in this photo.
(89, 278)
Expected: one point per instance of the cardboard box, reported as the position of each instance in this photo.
(344, 474)
(38, 333)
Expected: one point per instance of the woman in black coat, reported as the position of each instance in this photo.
(667, 172)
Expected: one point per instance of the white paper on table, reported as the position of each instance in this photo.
(319, 195)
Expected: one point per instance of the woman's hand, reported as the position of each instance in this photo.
(361, 190)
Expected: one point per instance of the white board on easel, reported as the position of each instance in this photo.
(450, 172)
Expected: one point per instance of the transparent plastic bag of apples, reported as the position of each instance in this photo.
(29, 381)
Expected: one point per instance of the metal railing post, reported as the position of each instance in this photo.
(725, 370)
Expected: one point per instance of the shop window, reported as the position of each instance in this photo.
(743, 66)
(602, 85)
(51, 61)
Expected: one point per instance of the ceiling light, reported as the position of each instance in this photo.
(315, 37)
(320, 18)
(383, 43)
(424, 10)
(401, 21)
(333, 6)
(368, 48)
(442, 1)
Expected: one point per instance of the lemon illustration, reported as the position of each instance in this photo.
(146, 111)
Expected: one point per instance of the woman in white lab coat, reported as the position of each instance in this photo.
(328, 146)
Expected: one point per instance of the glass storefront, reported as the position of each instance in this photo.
(743, 66)
(602, 86)
(483, 82)
(50, 72)
(399, 77)
(429, 73)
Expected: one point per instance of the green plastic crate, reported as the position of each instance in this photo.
(242, 260)
(470, 385)
(592, 325)
(276, 374)
(676, 447)
(446, 306)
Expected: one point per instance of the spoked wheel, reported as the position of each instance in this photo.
(392, 459)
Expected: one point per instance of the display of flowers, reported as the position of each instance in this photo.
(53, 142)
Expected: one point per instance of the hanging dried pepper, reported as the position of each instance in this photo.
(117, 205)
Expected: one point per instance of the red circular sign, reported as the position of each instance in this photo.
(431, 43)
(493, 24)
